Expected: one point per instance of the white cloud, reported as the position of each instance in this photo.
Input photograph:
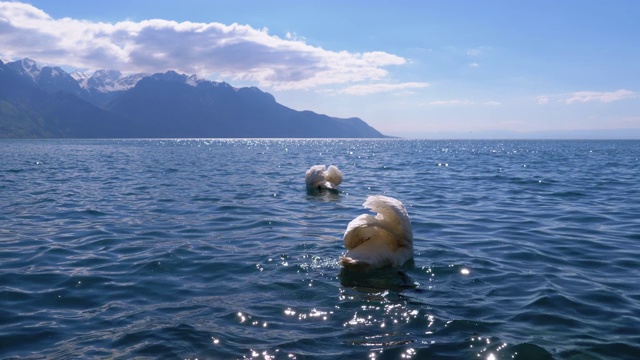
(463, 102)
(479, 51)
(605, 97)
(234, 51)
(587, 96)
(449, 103)
(543, 99)
(378, 88)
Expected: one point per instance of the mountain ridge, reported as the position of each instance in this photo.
(48, 102)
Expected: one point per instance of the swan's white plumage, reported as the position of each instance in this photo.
(319, 177)
(381, 240)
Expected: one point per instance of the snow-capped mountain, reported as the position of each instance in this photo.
(104, 81)
(98, 88)
(129, 81)
(81, 78)
(101, 81)
(49, 102)
(48, 78)
(26, 68)
(173, 76)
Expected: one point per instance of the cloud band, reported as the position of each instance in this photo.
(234, 51)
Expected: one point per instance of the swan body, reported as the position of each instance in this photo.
(317, 177)
(381, 240)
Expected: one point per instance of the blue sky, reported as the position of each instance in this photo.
(423, 69)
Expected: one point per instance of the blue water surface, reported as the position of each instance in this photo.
(214, 249)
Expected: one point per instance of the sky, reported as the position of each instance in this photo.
(416, 69)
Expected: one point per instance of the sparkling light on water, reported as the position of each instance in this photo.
(214, 249)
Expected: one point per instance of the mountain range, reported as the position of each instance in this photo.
(48, 102)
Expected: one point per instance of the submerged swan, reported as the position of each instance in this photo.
(319, 178)
(381, 240)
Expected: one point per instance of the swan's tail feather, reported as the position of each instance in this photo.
(360, 230)
(319, 177)
(380, 240)
(314, 177)
(377, 252)
(391, 211)
(333, 176)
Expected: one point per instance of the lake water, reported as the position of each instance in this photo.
(214, 249)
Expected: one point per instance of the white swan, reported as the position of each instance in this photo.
(381, 240)
(319, 178)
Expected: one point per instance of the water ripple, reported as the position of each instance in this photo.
(213, 248)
